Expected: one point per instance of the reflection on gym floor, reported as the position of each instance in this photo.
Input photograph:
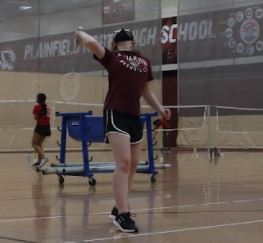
(196, 200)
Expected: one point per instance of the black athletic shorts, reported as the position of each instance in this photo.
(123, 123)
(43, 130)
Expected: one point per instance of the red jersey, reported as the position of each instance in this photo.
(41, 119)
(128, 73)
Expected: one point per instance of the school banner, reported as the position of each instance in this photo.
(169, 40)
(220, 57)
(58, 53)
(222, 34)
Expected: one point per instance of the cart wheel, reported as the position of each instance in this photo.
(153, 179)
(61, 180)
(92, 181)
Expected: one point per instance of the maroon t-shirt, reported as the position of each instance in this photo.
(41, 119)
(128, 73)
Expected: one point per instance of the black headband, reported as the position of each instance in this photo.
(122, 35)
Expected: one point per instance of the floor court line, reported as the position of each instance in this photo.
(31, 218)
(137, 210)
(16, 240)
(173, 231)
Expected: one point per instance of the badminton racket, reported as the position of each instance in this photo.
(70, 83)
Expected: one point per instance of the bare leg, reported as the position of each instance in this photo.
(135, 155)
(36, 144)
(121, 151)
(41, 141)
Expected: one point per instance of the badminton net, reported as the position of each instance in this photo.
(239, 127)
(17, 123)
(189, 121)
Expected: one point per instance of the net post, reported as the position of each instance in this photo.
(208, 131)
(195, 154)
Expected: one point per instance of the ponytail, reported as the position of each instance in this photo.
(43, 110)
(41, 99)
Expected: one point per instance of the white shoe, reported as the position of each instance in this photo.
(42, 162)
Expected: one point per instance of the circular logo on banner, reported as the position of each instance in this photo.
(249, 31)
(243, 32)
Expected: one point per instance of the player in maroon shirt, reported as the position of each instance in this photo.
(41, 114)
(129, 78)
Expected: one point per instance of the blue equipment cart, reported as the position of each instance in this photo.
(86, 128)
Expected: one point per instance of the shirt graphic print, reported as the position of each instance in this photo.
(133, 63)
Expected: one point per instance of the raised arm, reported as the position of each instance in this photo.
(151, 99)
(89, 42)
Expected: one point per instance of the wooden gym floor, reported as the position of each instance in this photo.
(196, 200)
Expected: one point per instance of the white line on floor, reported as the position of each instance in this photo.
(134, 211)
(173, 231)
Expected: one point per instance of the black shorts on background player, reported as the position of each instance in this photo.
(43, 130)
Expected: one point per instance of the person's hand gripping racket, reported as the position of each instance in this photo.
(165, 113)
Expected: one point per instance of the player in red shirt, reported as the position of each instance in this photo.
(129, 78)
(41, 114)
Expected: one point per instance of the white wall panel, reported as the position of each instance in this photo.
(169, 8)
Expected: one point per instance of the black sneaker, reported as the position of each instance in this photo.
(114, 213)
(124, 222)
